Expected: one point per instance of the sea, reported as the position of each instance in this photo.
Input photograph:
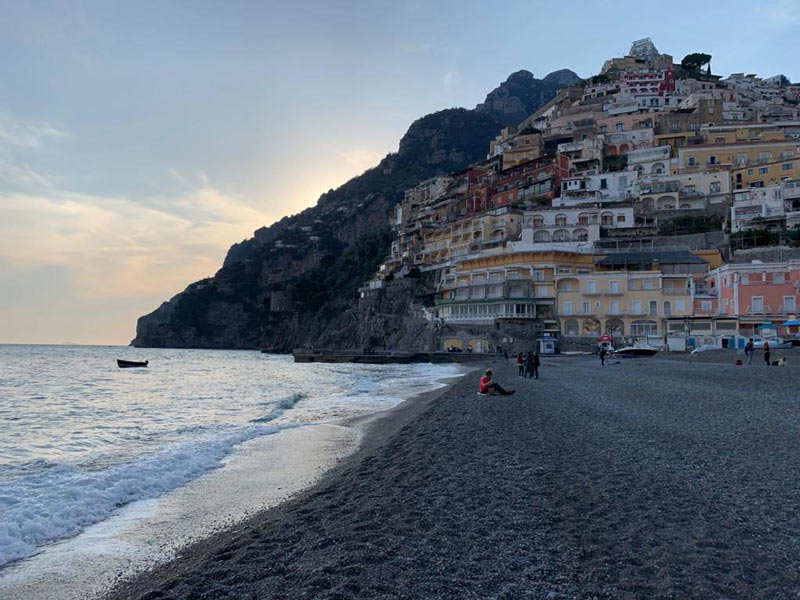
(83, 441)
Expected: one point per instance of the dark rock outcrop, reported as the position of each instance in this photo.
(293, 283)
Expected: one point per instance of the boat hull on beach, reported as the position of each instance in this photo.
(635, 351)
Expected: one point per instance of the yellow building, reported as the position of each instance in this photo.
(488, 230)
(765, 174)
(517, 147)
(621, 303)
(736, 157)
(516, 286)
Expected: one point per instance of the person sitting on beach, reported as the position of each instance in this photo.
(487, 386)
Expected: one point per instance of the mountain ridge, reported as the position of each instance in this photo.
(259, 297)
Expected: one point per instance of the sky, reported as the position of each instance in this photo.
(139, 140)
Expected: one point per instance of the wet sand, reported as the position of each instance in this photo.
(652, 478)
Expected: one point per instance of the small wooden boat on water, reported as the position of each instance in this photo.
(129, 364)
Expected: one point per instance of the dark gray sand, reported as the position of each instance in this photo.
(653, 478)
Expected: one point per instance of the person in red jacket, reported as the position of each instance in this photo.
(487, 386)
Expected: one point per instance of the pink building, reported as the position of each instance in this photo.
(755, 293)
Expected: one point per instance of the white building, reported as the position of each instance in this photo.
(756, 208)
(604, 187)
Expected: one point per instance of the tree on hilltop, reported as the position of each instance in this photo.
(692, 64)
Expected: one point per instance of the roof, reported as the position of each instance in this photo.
(665, 257)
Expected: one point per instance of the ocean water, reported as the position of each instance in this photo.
(81, 438)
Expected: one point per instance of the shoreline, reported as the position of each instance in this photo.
(650, 478)
(148, 533)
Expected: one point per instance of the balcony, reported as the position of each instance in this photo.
(594, 293)
(614, 293)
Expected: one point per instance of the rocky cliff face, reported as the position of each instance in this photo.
(293, 283)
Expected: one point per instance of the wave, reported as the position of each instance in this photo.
(65, 499)
(280, 406)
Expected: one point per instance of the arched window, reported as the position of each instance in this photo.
(561, 235)
(615, 327)
(658, 168)
(541, 236)
(571, 327)
(561, 220)
(667, 308)
(580, 235)
(583, 219)
(607, 218)
(591, 327)
(538, 221)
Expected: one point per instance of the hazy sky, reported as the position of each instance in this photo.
(139, 140)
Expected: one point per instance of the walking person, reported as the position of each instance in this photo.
(603, 356)
(521, 364)
(505, 355)
(536, 362)
(749, 350)
(529, 365)
(767, 353)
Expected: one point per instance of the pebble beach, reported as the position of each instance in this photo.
(647, 478)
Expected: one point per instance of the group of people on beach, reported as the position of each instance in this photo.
(750, 350)
(528, 364)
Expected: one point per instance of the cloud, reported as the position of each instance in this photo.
(119, 248)
(782, 12)
(450, 78)
(21, 175)
(21, 134)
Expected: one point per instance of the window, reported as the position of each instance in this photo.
(715, 187)
(667, 308)
(568, 307)
(712, 160)
(787, 166)
(583, 219)
(691, 161)
(647, 284)
(619, 127)
(742, 159)
(719, 140)
(789, 304)
(763, 156)
(620, 218)
(603, 128)
(693, 126)
(561, 220)
(613, 287)
(644, 328)
(591, 287)
(757, 304)
(674, 127)
(750, 171)
(778, 278)
(653, 311)
(680, 305)
(604, 184)
(587, 308)
(744, 279)
(705, 305)
(763, 170)
(637, 307)
(613, 307)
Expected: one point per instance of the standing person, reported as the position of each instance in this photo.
(529, 365)
(749, 349)
(487, 386)
(767, 353)
(603, 352)
(536, 362)
(521, 364)
(505, 355)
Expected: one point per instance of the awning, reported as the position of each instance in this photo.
(792, 323)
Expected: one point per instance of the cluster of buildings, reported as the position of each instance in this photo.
(539, 237)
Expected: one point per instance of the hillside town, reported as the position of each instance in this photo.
(653, 203)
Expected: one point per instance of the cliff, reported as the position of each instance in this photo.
(293, 283)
